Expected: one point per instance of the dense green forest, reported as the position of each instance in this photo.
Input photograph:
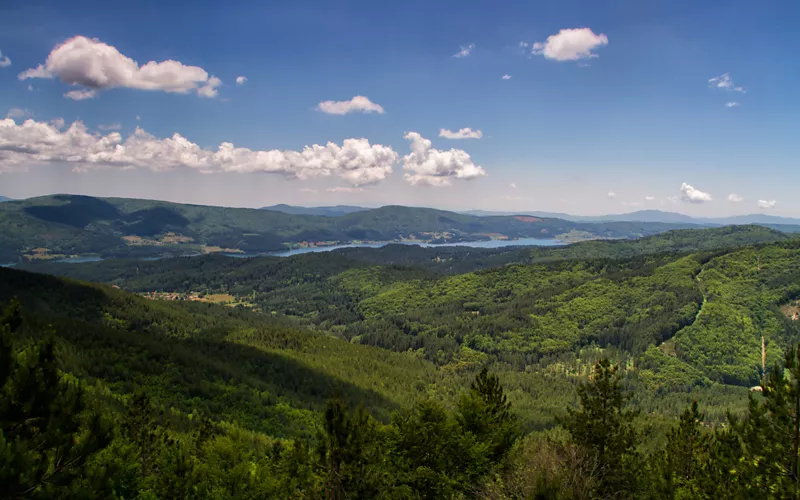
(690, 307)
(60, 226)
(65, 433)
(404, 372)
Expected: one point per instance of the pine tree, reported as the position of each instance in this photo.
(769, 436)
(348, 452)
(148, 437)
(605, 430)
(46, 434)
(486, 413)
(686, 455)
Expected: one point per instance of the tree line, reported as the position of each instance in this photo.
(61, 438)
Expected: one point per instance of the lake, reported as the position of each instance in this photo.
(474, 244)
(297, 251)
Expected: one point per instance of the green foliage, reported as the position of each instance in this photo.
(604, 428)
(47, 435)
(485, 412)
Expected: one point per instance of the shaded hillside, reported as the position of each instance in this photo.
(65, 225)
(543, 305)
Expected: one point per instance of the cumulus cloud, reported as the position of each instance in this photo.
(18, 113)
(465, 51)
(725, 82)
(431, 167)
(691, 195)
(110, 126)
(4, 60)
(344, 189)
(766, 204)
(57, 122)
(731, 104)
(735, 198)
(612, 194)
(31, 142)
(358, 103)
(240, 80)
(210, 90)
(649, 198)
(92, 64)
(512, 186)
(81, 95)
(464, 133)
(506, 77)
(570, 45)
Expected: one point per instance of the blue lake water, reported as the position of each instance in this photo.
(297, 251)
(473, 244)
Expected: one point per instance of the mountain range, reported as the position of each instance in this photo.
(63, 226)
(637, 216)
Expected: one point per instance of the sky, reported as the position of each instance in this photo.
(573, 106)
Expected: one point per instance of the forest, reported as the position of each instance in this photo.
(605, 369)
(63, 226)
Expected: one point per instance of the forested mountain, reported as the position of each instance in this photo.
(244, 377)
(65, 225)
(658, 216)
(698, 307)
(334, 211)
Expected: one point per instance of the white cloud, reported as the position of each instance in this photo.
(240, 80)
(649, 198)
(735, 198)
(30, 88)
(464, 133)
(506, 77)
(81, 95)
(307, 190)
(766, 204)
(691, 195)
(612, 194)
(18, 113)
(4, 60)
(95, 65)
(57, 122)
(731, 104)
(512, 186)
(32, 142)
(110, 126)
(465, 51)
(210, 90)
(341, 189)
(570, 45)
(138, 118)
(357, 103)
(725, 82)
(432, 167)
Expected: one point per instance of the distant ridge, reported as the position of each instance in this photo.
(332, 211)
(5, 198)
(652, 216)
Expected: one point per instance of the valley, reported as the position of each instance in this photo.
(266, 347)
(69, 226)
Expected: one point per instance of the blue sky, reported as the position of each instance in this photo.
(640, 120)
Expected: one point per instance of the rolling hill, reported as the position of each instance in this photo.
(61, 226)
(335, 211)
